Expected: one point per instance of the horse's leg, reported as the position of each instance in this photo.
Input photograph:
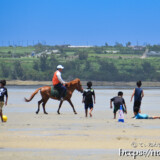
(72, 106)
(59, 107)
(39, 102)
(43, 104)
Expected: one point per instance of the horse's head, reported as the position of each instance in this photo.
(79, 85)
(76, 84)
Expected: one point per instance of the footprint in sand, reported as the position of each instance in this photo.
(134, 125)
(121, 138)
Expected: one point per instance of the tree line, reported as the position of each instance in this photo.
(83, 67)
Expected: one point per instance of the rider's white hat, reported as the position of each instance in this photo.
(60, 67)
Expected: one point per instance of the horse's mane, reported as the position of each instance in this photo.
(73, 82)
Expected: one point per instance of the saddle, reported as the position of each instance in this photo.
(55, 92)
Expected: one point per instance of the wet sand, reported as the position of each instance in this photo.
(69, 136)
(73, 137)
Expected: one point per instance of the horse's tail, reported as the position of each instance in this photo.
(35, 92)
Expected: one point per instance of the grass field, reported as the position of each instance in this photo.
(125, 64)
(15, 51)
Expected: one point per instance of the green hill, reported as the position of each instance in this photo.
(105, 63)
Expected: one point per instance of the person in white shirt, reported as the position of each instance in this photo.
(58, 82)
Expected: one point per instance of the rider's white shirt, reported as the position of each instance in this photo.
(59, 77)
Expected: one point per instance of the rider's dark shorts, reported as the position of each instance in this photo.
(86, 106)
(61, 88)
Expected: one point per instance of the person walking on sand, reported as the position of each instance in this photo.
(3, 92)
(58, 82)
(87, 99)
(118, 101)
(138, 95)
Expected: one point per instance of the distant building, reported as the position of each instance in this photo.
(80, 46)
(153, 53)
(55, 51)
(137, 47)
(110, 51)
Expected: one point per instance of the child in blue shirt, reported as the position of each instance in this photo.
(144, 116)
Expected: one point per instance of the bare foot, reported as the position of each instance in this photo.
(90, 114)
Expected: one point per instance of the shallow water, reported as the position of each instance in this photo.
(69, 152)
(16, 103)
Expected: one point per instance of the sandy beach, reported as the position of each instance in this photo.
(73, 137)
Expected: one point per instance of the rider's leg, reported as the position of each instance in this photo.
(63, 91)
(58, 88)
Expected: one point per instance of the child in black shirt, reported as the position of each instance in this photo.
(88, 100)
(3, 92)
(118, 101)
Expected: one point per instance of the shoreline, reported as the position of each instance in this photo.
(95, 83)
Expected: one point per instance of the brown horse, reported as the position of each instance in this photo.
(46, 94)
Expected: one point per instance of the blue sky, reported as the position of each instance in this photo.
(79, 22)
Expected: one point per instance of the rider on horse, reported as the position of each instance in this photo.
(58, 82)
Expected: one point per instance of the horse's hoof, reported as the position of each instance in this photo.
(58, 112)
(45, 113)
(75, 112)
(37, 112)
